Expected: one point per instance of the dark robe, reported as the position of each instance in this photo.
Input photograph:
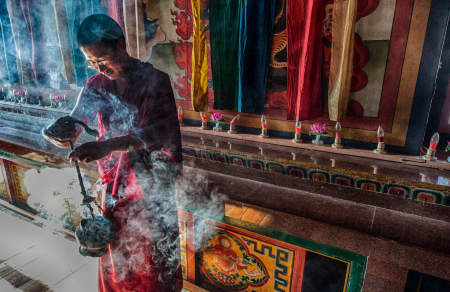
(144, 256)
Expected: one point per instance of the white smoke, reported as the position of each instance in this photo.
(150, 226)
(194, 193)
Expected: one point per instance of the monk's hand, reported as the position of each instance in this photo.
(90, 151)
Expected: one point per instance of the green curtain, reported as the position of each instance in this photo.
(224, 39)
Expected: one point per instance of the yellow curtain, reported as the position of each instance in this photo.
(199, 83)
(341, 67)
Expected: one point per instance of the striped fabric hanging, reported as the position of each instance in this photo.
(304, 26)
(255, 43)
(224, 40)
(199, 82)
(341, 66)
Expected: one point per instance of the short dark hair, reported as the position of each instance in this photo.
(99, 29)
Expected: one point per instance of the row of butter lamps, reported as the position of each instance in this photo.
(429, 156)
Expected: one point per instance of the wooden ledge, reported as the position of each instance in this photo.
(271, 141)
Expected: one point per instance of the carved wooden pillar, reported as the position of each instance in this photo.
(9, 180)
(343, 31)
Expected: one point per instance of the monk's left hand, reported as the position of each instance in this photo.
(90, 151)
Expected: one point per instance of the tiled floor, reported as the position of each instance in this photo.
(33, 259)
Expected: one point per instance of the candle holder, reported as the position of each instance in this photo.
(263, 128)
(374, 169)
(337, 138)
(180, 116)
(423, 177)
(298, 132)
(333, 162)
(204, 121)
(63, 103)
(380, 145)
(233, 121)
(11, 95)
(434, 141)
(3, 94)
(26, 97)
(261, 151)
(293, 155)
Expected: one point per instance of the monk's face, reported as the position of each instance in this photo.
(111, 62)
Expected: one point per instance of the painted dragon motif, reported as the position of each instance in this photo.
(182, 50)
(279, 41)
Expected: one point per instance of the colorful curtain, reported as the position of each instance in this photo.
(304, 26)
(224, 39)
(341, 67)
(199, 82)
(255, 43)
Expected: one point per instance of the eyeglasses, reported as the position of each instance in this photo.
(96, 65)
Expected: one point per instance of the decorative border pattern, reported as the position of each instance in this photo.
(398, 190)
(275, 167)
(325, 175)
(319, 176)
(368, 185)
(342, 179)
(428, 196)
(182, 227)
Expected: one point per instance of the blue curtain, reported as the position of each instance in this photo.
(255, 44)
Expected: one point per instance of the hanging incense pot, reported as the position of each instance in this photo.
(94, 232)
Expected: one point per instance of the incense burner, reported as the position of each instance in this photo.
(93, 236)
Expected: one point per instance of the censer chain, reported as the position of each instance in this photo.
(83, 190)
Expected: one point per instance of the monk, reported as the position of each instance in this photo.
(138, 153)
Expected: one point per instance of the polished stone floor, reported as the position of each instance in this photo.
(35, 259)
